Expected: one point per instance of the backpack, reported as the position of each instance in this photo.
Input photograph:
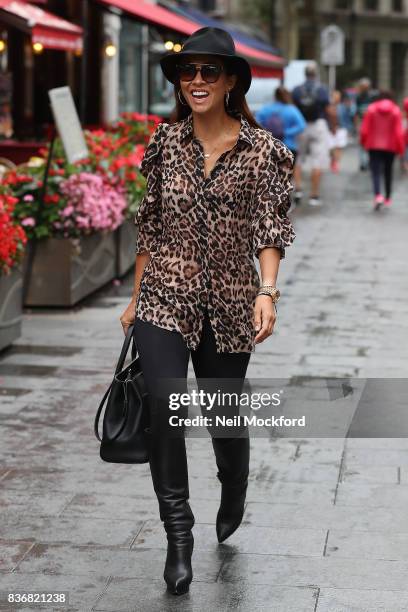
(274, 124)
(308, 102)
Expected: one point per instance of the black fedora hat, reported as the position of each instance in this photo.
(209, 41)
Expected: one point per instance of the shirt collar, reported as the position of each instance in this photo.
(245, 133)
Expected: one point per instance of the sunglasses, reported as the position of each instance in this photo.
(210, 73)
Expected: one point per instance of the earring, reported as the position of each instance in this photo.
(179, 97)
(227, 98)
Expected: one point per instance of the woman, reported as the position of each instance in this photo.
(405, 160)
(382, 135)
(338, 122)
(217, 193)
(285, 112)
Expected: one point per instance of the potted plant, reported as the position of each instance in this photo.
(84, 228)
(12, 243)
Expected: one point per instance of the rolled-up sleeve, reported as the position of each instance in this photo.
(148, 219)
(270, 225)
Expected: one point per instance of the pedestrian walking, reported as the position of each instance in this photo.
(382, 135)
(218, 191)
(283, 119)
(405, 160)
(312, 99)
(338, 134)
(365, 96)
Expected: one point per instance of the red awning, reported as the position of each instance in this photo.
(262, 63)
(45, 28)
(154, 14)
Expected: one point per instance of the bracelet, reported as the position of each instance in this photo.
(260, 292)
(273, 292)
(273, 300)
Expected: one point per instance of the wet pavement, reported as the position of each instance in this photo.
(325, 527)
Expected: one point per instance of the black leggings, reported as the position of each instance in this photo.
(381, 163)
(164, 354)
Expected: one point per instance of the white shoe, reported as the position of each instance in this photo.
(315, 201)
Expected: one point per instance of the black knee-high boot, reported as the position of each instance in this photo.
(168, 466)
(232, 457)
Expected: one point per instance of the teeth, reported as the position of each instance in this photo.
(200, 93)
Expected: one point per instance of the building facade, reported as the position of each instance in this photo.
(375, 36)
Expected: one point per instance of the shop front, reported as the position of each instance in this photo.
(38, 50)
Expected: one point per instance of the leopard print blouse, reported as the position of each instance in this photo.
(203, 233)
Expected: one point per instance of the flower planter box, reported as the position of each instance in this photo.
(64, 272)
(11, 309)
(126, 246)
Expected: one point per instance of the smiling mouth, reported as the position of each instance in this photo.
(199, 95)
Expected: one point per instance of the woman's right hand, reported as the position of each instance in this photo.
(128, 316)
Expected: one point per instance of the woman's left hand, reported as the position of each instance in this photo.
(264, 317)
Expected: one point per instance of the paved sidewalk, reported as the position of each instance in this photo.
(325, 527)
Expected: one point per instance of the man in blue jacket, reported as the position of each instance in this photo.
(312, 99)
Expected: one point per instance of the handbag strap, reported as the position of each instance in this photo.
(119, 367)
(125, 348)
(98, 413)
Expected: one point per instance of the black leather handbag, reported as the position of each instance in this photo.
(125, 430)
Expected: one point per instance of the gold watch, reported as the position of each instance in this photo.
(273, 292)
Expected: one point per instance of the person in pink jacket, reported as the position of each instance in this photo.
(382, 135)
(405, 106)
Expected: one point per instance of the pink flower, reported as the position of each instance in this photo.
(67, 211)
(93, 202)
(28, 198)
(28, 221)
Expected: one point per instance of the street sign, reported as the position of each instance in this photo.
(68, 123)
(332, 46)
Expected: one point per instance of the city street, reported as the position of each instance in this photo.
(326, 524)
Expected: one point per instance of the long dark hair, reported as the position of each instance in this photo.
(236, 103)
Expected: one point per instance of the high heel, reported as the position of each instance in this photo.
(231, 510)
(178, 573)
(232, 457)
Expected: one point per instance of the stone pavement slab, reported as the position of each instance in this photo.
(11, 552)
(385, 518)
(367, 474)
(252, 539)
(359, 600)
(130, 595)
(313, 571)
(99, 505)
(83, 591)
(367, 545)
(70, 530)
(106, 561)
(372, 495)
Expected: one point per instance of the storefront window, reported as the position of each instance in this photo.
(161, 96)
(161, 91)
(130, 71)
